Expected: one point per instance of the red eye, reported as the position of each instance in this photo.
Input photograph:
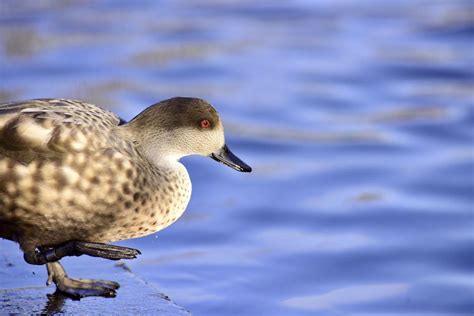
(205, 124)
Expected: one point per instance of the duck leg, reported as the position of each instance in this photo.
(77, 248)
(78, 288)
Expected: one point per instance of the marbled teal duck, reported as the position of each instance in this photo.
(74, 177)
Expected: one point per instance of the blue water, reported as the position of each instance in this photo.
(357, 117)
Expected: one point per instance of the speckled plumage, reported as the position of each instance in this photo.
(66, 173)
(73, 178)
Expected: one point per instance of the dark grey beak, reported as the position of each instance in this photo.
(225, 156)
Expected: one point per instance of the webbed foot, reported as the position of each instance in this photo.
(77, 248)
(78, 288)
(106, 251)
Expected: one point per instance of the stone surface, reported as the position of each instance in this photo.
(23, 289)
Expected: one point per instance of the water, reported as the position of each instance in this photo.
(357, 117)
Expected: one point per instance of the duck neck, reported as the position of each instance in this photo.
(156, 147)
(161, 157)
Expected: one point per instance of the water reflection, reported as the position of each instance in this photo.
(54, 304)
(348, 296)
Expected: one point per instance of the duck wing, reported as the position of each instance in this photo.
(50, 128)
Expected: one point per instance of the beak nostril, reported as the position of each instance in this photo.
(225, 156)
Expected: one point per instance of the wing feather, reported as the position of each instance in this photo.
(52, 127)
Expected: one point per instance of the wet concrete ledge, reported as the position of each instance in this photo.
(23, 289)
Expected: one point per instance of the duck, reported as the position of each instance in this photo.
(74, 178)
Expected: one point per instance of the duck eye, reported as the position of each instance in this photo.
(205, 123)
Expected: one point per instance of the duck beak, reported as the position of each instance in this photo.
(225, 156)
